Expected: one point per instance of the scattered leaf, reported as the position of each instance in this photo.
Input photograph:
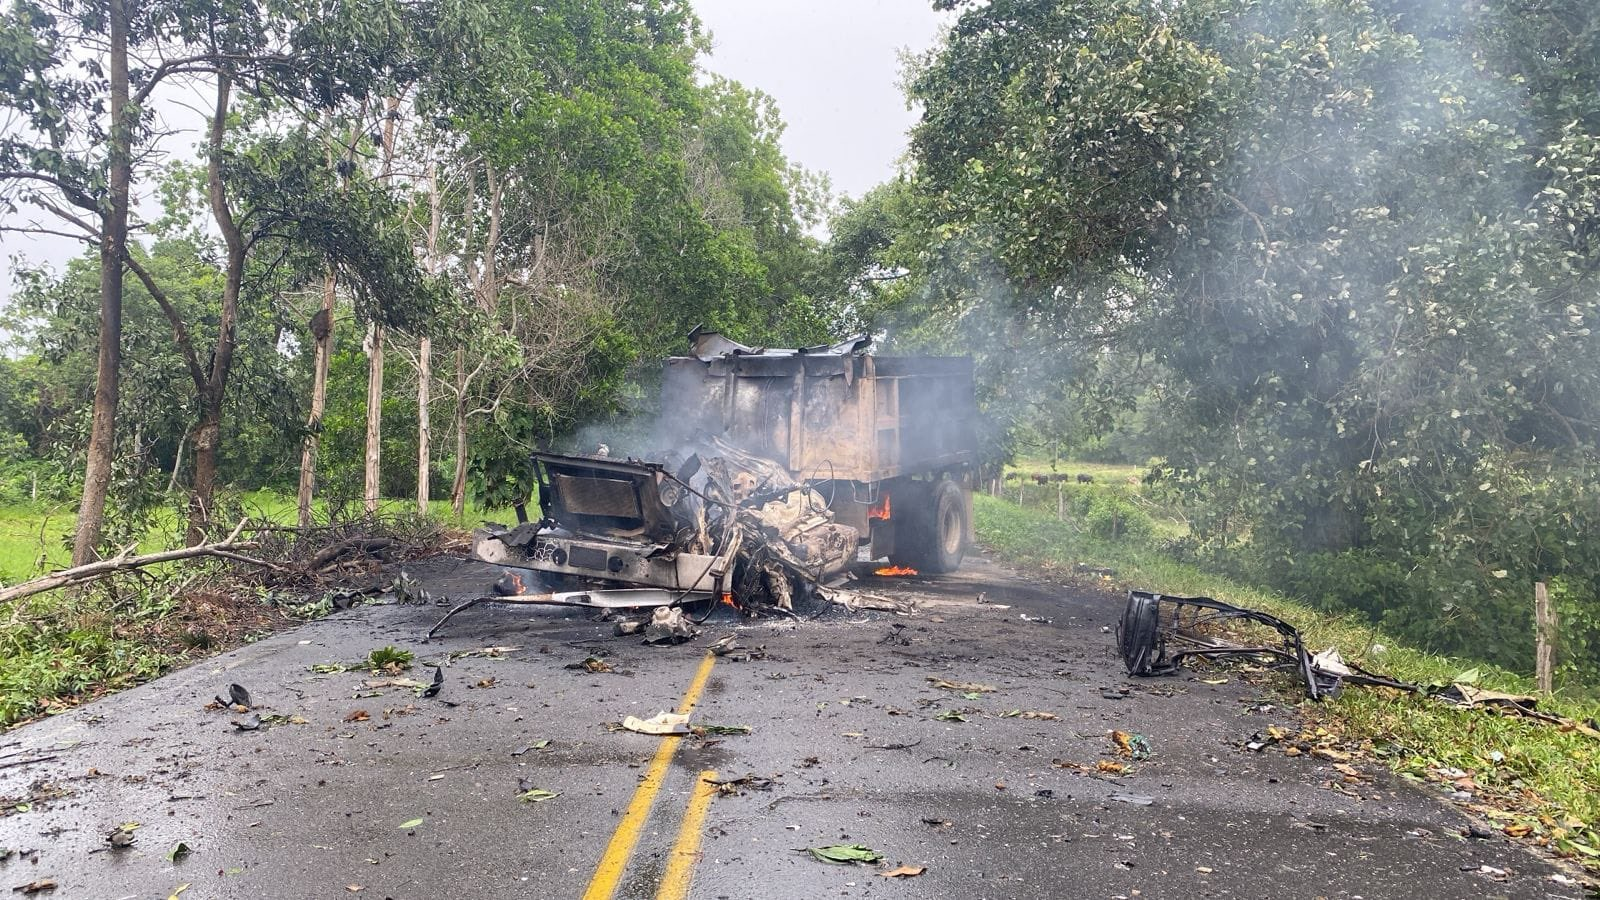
(845, 853)
(390, 659)
(904, 872)
(34, 887)
(950, 715)
(1133, 746)
(411, 824)
(178, 851)
(703, 730)
(537, 795)
(962, 687)
(358, 715)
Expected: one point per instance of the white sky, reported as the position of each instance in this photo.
(833, 66)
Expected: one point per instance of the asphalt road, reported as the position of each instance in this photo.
(847, 747)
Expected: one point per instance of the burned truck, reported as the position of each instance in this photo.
(782, 468)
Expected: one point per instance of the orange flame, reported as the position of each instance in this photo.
(895, 571)
(879, 510)
(727, 598)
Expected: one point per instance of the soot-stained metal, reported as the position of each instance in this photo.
(778, 472)
(1159, 631)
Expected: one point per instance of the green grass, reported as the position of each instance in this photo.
(35, 538)
(31, 538)
(1101, 472)
(1532, 776)
(61, 648)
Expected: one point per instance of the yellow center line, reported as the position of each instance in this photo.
(615, 859)
(686, 849)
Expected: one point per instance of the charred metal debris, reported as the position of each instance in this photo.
(785, 465)
(1158, 632)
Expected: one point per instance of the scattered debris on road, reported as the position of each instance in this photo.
(669, 626)
(1158, 632)
(433, 688)
(1130, 745)
(535, 795)
(845, 854)
(661, 723)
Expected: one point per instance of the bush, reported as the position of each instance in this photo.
(1111, 516)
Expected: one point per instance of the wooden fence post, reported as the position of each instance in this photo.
(1544, 627)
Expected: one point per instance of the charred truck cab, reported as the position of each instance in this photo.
(781, 466)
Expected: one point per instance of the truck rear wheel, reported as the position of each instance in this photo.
(932, 535)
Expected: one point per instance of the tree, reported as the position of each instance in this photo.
(1355, 238)
(63, 163)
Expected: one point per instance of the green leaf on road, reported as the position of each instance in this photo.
(178, 851)
(411, 824)
(845, 853)
(950, 715)
(537, 795)
(721, 729)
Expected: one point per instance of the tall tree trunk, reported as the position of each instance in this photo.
(113, 247)
(458, 487)
(424, 424)
(425, 356)
(177, 464)
(208, 432)
(374, 415)
(375, 342)
(322, 335)
(490, 285)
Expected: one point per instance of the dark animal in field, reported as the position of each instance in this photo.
(1084, 478)
(1041, 479)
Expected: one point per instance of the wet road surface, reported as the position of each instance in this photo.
(853, 742)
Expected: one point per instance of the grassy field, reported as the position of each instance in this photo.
(1534, 780)
(36, 539)
(59, 649)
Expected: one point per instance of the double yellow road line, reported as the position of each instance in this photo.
(680, 865)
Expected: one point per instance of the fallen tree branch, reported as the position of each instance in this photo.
(125, 562)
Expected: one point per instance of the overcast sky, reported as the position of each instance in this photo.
(832, 65)
(834, 68)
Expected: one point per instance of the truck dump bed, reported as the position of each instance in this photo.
(828, 413)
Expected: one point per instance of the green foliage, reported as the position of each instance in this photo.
(1341, 254)
(1577, 607)
(1110, 516)
(390, 658)
(59, 649)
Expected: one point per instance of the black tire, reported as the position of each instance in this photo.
(1138, 638)
(932, 537)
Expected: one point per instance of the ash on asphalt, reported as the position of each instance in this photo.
(853, 741)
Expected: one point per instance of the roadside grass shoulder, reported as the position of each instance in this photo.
(1531, 780)
(62, 648)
